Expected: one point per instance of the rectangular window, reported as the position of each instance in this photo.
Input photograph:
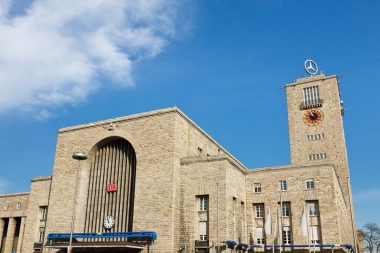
(18, 205)
(41, 235)
(286, 235)
(257, 187)
(6, 207)
(203, 203)
(314, 233)
(310, 184)
(320, 156)
(311, 95)
(43, 212)
(312, 207)
(315, 137)
(259, 210)
(285, 209)
(202, 230)
(283, 185)
(260, 235)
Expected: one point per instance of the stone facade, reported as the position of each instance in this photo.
(187, 187)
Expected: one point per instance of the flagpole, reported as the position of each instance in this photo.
(274, 235)
(281, 217)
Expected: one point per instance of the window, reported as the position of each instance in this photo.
(283, 185)
(43, 212)
(18, 205)
(311, 96)
(286, 235)
(257, 187)
(310, 184)
(203, 203)
(285, 209)
(259, 211)
(314, 233)
(315, 137)
(6, 207)
(41, 235)
(202, 230)
(312, 208)
(260, 235)
(320, 156)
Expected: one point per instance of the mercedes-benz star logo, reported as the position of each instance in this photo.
(311, 67)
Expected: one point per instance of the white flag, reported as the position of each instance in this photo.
(268, 223)
(275, 234)
(303, 226)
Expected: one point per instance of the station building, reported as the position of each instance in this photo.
(156, 182)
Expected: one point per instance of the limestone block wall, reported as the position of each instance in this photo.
(13, 210)
(330, 205)
(194, 143)
(212, 176)
(12, 200)
(39, 196)
(333, 143)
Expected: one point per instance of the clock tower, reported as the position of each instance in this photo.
(315, 117)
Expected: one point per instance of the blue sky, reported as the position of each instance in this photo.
(223, 63)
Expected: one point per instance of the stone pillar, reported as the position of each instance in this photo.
(1, 230)
(21, 235)
(10, 235)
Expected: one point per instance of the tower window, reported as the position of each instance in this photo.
(310, 184)
(311, 96)
(315, 137)
(283, 185)
(319, 156)
(257, 187)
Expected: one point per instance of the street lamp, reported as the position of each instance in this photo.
(79, 156)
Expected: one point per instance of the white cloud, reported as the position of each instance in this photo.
(3, 185)
(58, 51)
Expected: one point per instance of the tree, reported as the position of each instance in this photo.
(372, 237)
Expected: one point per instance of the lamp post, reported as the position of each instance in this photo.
(79, 156)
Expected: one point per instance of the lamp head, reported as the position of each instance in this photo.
(79, 156)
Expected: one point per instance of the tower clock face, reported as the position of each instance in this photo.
(109, 222)
(313, 117)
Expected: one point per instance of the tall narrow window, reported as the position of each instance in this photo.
(286, 235)
(202, 230)
(312, 207)
(202, 211)
(259, 210)
(43, 212)
(6, 207)
(286, 209)
(203, 203)
(18, 205)
(41, 234)
(314, 233)
(260, 235)
(283, 185)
